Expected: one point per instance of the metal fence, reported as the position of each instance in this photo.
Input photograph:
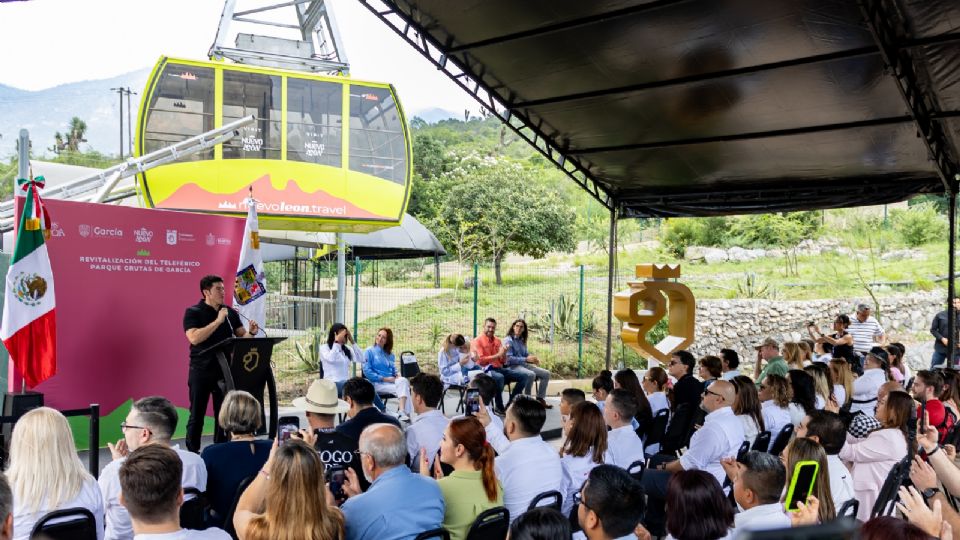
(564, 306)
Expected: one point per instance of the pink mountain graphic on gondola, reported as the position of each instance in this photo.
(291, 200)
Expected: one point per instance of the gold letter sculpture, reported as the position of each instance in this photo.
(642, 307)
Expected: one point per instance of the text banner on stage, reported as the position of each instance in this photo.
(125, 276)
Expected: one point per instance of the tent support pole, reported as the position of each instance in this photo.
(951, 291)
(611, 277)
(341, 315)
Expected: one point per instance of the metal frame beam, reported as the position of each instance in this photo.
(468, 75)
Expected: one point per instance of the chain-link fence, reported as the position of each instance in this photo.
(423, 301)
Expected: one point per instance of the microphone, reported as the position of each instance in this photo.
(237, 311)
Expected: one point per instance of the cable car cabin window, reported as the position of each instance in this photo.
(314, 121)
(376, 134)
(252, 93)
(181, 107)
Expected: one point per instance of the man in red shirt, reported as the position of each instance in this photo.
(490, 354)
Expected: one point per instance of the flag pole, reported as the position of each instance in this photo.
(24, 170)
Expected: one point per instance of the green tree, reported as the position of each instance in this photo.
(78, 128)
(502, 206)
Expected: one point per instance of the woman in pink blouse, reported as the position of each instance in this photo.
(872, 458)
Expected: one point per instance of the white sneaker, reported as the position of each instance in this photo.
(403, 417)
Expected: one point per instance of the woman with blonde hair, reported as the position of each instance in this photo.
(287, 499)
(455, 360)
(804, 449)
(792, 355)
(472, 487)
(822, 385)
(45, 472)
(842, 377)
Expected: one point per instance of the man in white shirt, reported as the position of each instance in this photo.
(731, 361)
(827, 428)
(720, 437)
(757, 488)
(150, 491)
(526, 465)
(865, 329)
(425, 432)
(151, 420)
(611, 504)
(623, 445)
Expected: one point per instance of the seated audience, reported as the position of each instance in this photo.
(6, 509)
(861, 424)
(627, 380)
(336, 355)
(454, 360)
(927, 387)
(826, 428)
(380, 368)
(568, 398)
(655, 384)
(45, 472)
(602, 385)
(427, 428)
(842, 377)
(358, 393)
(623, 445)
(874, 456)
(774, 394)
(803, 449)
(151, 420)
(758, 481)
(769, 351)
(584, 447)
(526, 465)
(803, 395)
(806, 351)
(398, 504)
(792, 355)
(229, 463)
(687, 389)
(519, 360)
(822, 386)
(899, 370)
(611, 504)
(288, 499)
(731, 361)
(710, 369)
(696, 507)
(822, 352)
(487, 387)
(720, 437)
(472, 487)
(150, 491)
(747, 408)
(337, 450)
(491, 356)
(865, 387)
(950, 396)
(539, 524)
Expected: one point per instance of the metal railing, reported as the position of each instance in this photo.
(93, 411)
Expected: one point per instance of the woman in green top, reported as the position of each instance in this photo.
(473, 486)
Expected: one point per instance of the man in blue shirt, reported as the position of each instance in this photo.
(399, 504)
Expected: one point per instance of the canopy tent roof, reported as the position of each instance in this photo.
(410, 240)
(709, 107)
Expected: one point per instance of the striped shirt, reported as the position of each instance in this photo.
(863, 333)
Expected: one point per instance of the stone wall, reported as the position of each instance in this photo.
(741, 324)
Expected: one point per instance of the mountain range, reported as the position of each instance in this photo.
(45, 112)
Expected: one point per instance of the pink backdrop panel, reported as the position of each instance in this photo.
(124, 277)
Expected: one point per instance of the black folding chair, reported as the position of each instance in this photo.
(193, 512)
(408, 364)
(658, 428)
(557, 500)
(888, 496)
(849, 509)
(71, 524)
(491, 524)
(762, 442)
(440, 533)
(636, 469)
(783, 438)
(459, 388)
(228, 518)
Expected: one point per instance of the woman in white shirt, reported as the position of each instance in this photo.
(584, 447)
(803, 395)
(873, 457)
(45, 473)
(774, 394)
(842, 377)
(455, 360)
(822, 384)
(865, 387)
(654, 383)
(337, 354)
(747, 408)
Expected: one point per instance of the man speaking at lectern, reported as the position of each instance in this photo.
(207, 323)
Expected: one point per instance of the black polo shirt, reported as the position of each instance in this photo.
(199, 316)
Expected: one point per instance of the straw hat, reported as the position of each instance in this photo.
(321, 398)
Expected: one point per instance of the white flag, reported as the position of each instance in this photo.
(251, 286)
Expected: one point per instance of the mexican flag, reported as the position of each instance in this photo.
(250, 288)
(29, 330)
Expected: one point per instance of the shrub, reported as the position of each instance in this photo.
(683, 232)
(919, 224)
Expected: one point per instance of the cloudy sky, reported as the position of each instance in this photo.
(44, 43)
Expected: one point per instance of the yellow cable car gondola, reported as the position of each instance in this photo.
(309, 170)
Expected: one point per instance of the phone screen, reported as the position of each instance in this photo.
(472, 401)
(286, 431)
(801, 485)
(337, 476)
